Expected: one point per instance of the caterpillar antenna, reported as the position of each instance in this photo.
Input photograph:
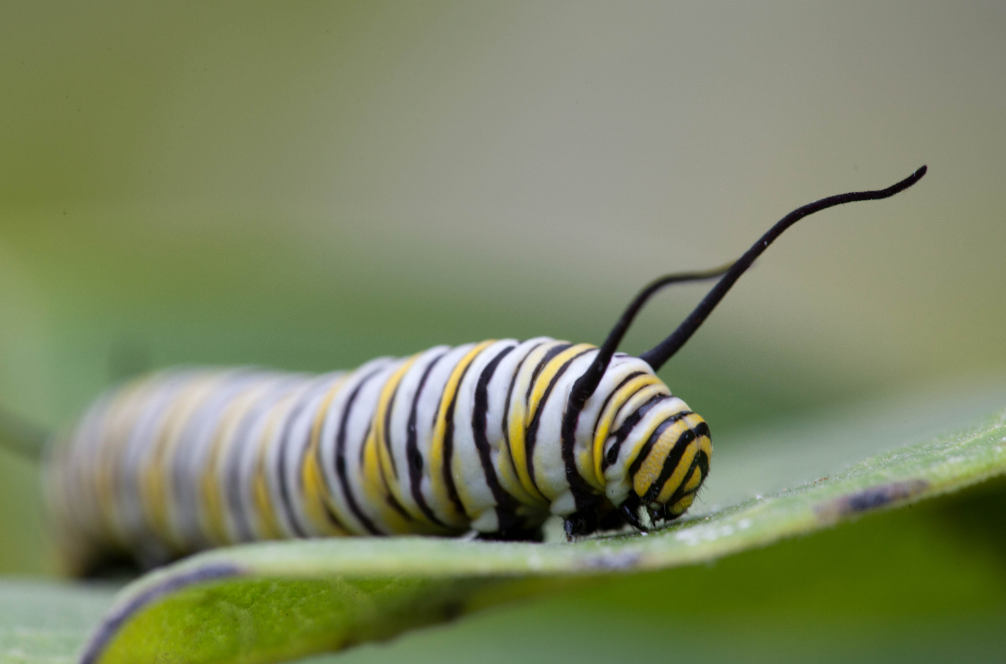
(659, 354)
(591, 378)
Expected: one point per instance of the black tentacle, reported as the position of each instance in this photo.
(659, 354)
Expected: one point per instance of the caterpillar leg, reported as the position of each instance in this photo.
(631, 512)
(579, 524)
(601, 516)
(612, 520)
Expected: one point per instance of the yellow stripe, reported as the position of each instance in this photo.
(375, 481)
(678, 476)
(696, 477)
(640, 439)
(375, 488)
(439, 431)
(679, 507)
(215, 524)
(154, 487)
(381, 439)
(213, 521)
(507, 473)
(519, 422)
(113, 430)
(608, 418)
(268, 524)
(515, 422)
(654, 461)
(316, 494)
(506, 469)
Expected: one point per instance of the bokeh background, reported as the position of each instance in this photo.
(309, 185)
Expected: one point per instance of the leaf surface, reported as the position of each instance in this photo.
(275, 601)
(47, 622)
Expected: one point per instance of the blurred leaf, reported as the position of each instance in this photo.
(47, 622)
(23, 547)
(274, 601)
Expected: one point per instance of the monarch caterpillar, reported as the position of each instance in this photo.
(492, 437)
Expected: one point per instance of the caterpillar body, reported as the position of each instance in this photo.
(492, 437)
(443, 442)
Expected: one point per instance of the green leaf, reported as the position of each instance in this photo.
(47, 622)
(276, 601)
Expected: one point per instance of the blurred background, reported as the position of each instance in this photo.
(309, 185)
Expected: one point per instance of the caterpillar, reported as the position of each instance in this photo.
(489, 438)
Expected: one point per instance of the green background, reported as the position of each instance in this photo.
(309, 185)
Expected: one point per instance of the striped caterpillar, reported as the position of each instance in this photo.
(491, 437)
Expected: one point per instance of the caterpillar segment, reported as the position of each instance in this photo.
(493, 437)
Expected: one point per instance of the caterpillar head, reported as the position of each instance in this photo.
(651, 453)
(657, 457)
(662, 467)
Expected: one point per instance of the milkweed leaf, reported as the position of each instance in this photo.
(277, 601)
(272, 602)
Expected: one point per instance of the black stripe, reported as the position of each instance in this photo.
(506, 408)
(651, 441)
(232, 483)
(452, 489)
(284, 490)
(387, 427)
(391, 500)
(531, 436)
(506, 505)
(607, 400)
(412, 452)
(340, 457)
(680, 492)
(672, 461)
(552, 352)
(584, 495)
(630, 422)
(201, 422)
(623, 431)
(363, 447)
(701, 461)
(509, 395)
(333, 518)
